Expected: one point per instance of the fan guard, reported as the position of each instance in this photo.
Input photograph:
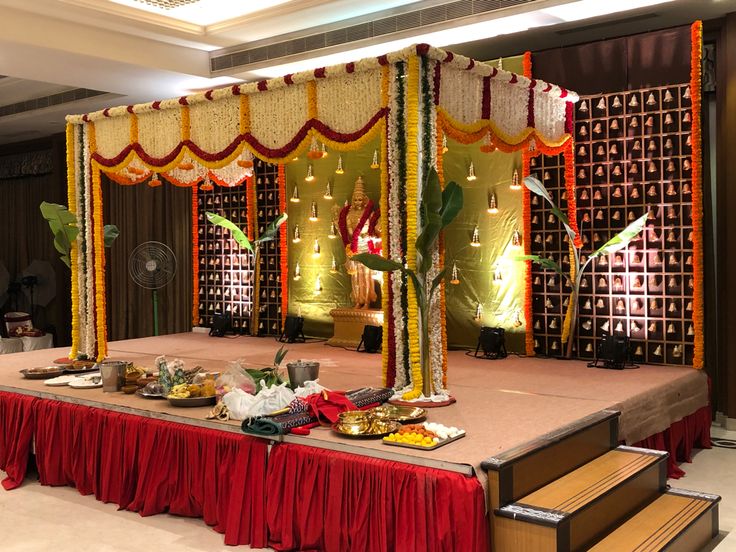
(152, 265)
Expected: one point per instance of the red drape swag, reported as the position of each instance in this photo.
(152, 466)
(17, 423)
(332, 501)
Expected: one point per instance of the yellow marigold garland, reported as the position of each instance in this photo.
(696, 52)
(412, 176)
(186, 126)
(311, 100)
(244, 114)
(133, 128)
(571, 305)
(71, 188)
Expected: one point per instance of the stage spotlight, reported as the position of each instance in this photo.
(221, 324)
(371, 339)
(493, 343)
(293, 330)
(613, 351)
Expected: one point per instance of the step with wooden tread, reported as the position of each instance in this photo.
(677, 521)
(578, 509)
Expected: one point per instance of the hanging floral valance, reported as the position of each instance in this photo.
(340, 104)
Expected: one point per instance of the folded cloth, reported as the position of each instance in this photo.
(262, 426)
(328, 405)
(363, 397)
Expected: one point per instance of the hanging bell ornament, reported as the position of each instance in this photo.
(634, 122)
(668, 96)
(515, 185)
(605, 326)
(614, 124)
(374, 162)
(297, 236)
(613, 150)
(297, 272)
(339, 169)
(444, 143)
(471, 173)
(651, 99)
(634, 102)
(475, 239)
(454, 278)
(587, 325)
(597, 128)
(601, 104)
(492, 203)
(328, 190)
(479, 312)
(313, 212)
(634, 193)
(582, 151)
(583, 107)
(310, 174)
(616, 102)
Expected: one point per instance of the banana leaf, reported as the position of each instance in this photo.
(622, 239)
(237, 234)
(272, 229)
(544, 262)
(452, 202)
(111, 232)
(280, 354)
(376, 262)
(535, 186)
(63, 225)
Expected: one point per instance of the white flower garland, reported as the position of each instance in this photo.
(88, 322)
(81, 241)
(395, 228)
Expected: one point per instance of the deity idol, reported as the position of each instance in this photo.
(359, 229)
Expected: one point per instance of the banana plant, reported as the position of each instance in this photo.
(254, 247)
(63, 225)
(616, 243)
(438, 208)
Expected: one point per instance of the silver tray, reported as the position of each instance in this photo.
(192, 401)
(47, 372)
(442, 443)
(145, 395)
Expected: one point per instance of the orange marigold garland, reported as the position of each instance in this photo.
(250, 206)
(527, 231)
(195, 258)
(283, 247)
(696, 52)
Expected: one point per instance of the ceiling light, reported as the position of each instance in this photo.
(201, 12)
(571, 11)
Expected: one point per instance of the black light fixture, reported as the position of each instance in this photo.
(293, 330)
(221, 325)
(613, 351)
(493, 343)
(371, 339)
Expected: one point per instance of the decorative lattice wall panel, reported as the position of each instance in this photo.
(225, 271)
(632, 155)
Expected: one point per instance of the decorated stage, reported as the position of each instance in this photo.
(501, 404)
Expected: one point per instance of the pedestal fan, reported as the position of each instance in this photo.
(152, 265)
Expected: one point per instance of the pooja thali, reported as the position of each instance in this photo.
(358, 423)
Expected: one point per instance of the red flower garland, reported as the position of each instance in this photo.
(343, 224)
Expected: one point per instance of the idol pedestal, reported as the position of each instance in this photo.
(349, 323)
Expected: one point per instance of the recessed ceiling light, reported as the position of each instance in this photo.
(201, 12)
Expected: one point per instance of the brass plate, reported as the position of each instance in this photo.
(401, 414)
(192, 401)
(391, 427)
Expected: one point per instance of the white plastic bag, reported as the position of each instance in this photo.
(238, 403)
(309, 388)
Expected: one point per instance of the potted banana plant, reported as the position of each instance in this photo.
(616, 243)
(254, 247)
(438, 208)
(63, 225)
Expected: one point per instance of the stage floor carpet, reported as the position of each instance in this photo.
(500, 404)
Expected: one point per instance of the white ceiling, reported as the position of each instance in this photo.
(51, 46)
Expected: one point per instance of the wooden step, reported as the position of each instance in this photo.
(531, 465)
(578, 509)
(677, 521)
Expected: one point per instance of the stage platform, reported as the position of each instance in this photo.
(501, 404)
